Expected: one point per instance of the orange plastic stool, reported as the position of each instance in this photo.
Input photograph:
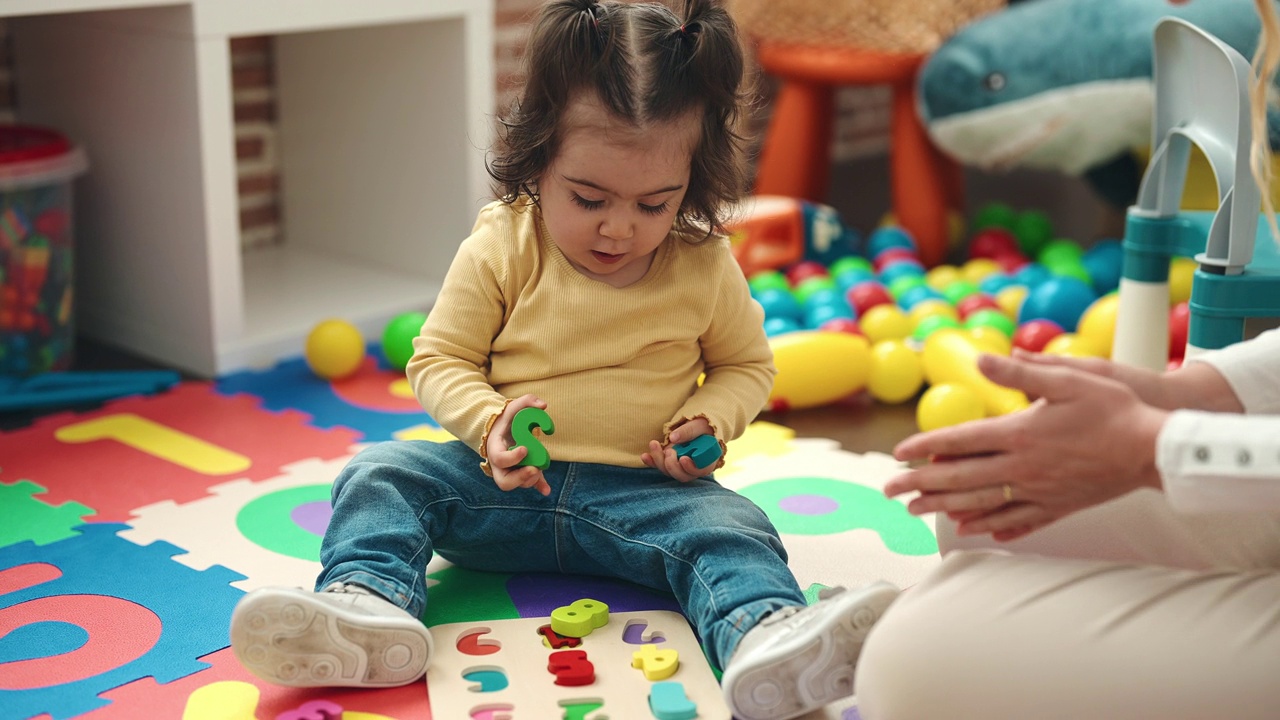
(796, 157)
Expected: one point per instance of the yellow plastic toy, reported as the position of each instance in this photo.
(334, 349)
(950, 356)
(817, 367)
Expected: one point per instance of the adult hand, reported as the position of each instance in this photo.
(663, 457)
(1085, 440)
(503, 459)
(1148, 385)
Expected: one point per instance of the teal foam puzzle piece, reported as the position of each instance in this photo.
(704, 450)
(667, 701)
(26, 518)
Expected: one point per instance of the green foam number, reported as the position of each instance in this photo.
(855, 506)
(522, 432)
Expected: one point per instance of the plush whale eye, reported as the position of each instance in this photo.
(993, 82)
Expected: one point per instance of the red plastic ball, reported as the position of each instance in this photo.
(804, 270)
(974, 303)
(844, 325)
(993, 242)
(1033, 335)
(1179, 322)
(864, 296)
(1011, 262)
(888, 256)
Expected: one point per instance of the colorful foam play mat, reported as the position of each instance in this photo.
(128, 534)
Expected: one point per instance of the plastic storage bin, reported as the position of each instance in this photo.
(37, 166)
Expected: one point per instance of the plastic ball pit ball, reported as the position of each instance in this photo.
(948, 404)
(1060, 299)
(896, 374)
(334, 349)
(1032, 336)
(397, 338)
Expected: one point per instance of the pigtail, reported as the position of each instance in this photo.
(706, 67)
(1265, 61)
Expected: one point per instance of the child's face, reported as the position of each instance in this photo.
(611, 195)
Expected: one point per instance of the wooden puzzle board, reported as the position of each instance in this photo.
(531, 692)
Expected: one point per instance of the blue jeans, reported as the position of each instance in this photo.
(396, 503)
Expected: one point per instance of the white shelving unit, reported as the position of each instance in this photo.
(384, 115)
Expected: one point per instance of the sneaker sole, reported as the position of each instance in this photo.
(822, 663)
(293, 639)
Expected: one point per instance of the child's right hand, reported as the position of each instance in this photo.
(503, 461)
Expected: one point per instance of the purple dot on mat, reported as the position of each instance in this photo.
(851, 714)
(313, 516)
(808, 504)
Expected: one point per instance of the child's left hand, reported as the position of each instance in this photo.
(663, 457)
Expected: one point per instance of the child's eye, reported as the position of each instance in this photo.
(653, 209)
(585, 203)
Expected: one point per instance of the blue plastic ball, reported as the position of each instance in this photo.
(824, 296)
(918, 294)
(1059, 299)
(779, 325)
(816, 315)
(853, 276)
(1105, 262)
(900, 268)
(889, 236)
(994, 283)
(1031, 275)
(779, 304)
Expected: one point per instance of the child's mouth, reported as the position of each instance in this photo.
(605, 258)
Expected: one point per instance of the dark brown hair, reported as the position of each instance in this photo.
(645, 64)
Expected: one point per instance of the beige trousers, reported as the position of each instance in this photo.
(1128, 610)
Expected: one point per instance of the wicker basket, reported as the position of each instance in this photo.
(899, 26)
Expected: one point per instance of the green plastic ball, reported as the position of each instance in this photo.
(1033, 229)
(811, 285)
(848, 263)
(958, 290)
(397, 338)
(992, 319)
(931, 324)
(768, 280)
(995, 215)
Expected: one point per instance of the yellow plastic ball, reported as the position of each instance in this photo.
(1072, 345)
(1098, 323)
(942, 276)
(896, 372)
(885, 322)
(887, 220)
(1181, 271)
(1010, 299)
(979, 268)
(334, 349)
(948, 404)
(929, 308)
(990, 340)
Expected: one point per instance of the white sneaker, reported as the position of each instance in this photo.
(801, 659)
(345, 636)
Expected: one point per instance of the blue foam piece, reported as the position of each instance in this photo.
(704, 450)
(291, 385)
(194, 607)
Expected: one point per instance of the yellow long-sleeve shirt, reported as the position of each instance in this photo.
(618, 367)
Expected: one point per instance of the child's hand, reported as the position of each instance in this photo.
(503, 461)
(663, 457)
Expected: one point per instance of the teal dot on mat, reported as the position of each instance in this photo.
(287, 522)
(824, 506)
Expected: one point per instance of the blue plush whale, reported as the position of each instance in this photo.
(1064, 84)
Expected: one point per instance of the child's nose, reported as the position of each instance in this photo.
(617, 225)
